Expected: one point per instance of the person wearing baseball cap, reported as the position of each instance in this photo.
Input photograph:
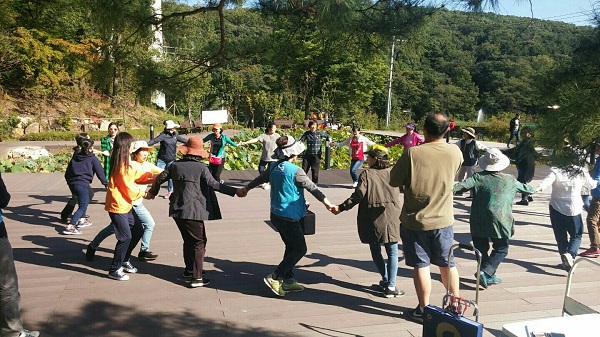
(288, 207)
(491, 216)
(409, 139)
(471, 150)
(378, 216)
(168, 140)
(191, 204)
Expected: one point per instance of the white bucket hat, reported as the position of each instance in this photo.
(140, 144)
(169, 124)
(493, 160)
(287, 146)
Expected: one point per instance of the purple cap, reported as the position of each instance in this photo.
(410, 126)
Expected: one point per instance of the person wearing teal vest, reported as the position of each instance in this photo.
(288, 207)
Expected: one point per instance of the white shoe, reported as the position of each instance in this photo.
(83, 222)
(567, 261)
(71, 230)
(27, 333)
(266, 186)
(354, 184)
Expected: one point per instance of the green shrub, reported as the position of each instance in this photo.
(7, 125)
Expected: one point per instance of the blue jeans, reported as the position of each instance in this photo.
(162, 164)
(514, 134)
(586, 202)
(295, 246)
(144, 217)
(10, 313)
(389, 270)
(128, 231)
(563, 225)
(354, 166)
(490, 262)
(83, 200)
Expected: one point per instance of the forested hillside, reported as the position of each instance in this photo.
(284, 59)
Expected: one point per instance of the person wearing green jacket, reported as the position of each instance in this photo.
(106, 145)
(217, 157)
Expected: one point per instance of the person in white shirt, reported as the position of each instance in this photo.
(566, 207)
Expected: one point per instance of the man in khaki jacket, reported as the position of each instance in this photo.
(425, 174)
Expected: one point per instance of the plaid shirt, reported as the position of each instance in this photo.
(314, 142)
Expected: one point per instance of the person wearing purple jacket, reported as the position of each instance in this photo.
(79, 175)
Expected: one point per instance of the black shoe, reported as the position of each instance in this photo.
(147, 256)
(523, 202)
(469, 197)
(199, 282)
(392, 293)
(383, 285)
(415, 314)
(189, 274)
(90, 253)
(529, 198)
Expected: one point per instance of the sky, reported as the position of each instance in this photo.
(578, 12)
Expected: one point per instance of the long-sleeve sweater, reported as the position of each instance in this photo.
(81, 169)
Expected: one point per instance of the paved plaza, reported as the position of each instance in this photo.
(64, 295)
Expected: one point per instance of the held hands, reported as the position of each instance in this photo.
(335, 210)
(242, 192)
(149, 195)
(328, 204)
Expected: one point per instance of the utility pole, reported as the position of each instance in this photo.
(389, 100)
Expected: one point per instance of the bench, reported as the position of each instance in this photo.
(184, 128)
(284, 123)
(199, 127)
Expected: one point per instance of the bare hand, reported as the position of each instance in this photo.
(335, 210)
(149, 196)
(241, 192)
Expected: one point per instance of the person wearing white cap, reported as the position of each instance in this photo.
(139, 153)
(491, 216)
(288, 206)
(471, 150)
(168, 149)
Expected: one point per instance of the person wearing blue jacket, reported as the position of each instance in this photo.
(218, 140)
(288, 207)
(593, 216)
(79, 175)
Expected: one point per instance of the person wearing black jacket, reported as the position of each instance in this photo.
(11, 323)
(192, 202)
(79, 175)
(168, 149)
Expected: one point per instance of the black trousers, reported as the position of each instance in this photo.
(194, 244)
(312, 162)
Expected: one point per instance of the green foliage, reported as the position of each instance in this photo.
(70, 135)
(57, 163)
(7, 125)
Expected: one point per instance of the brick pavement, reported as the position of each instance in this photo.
(63, 295)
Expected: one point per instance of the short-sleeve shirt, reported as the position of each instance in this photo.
(269, 146)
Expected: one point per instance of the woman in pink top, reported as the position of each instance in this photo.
(409, 139)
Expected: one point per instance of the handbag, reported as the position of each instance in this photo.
(215, 160)
(308, 223)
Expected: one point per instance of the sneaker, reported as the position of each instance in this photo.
(354, 184)
(71, 230)
(199, 282)
(188, 274)
(383, 284)
(592, 252)
(484, 280)
(415, 314)
(391, 293)
(292, 286)
(83, 222)
(129, 268)
(523, 202)
(275, 285)
(222, 181)
(118, 275)
(168, 195)
(27, 333)
(266, 186)
(494, 280)
(146, 256)
(90, 253)
(567, 261)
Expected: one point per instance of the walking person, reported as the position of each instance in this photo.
(288, 207)
(471, 151)
(566, 207)
(314, 149)
(514, 129)
(267, 140)
(378, 217)
(106, 145)
(139, 156)
(122, 190)
(167, 153)
(193, 201)
(491, 216)
(425, 174)
(79, 175)
(11, 323)
(218, 141)
(593, 215)
(409, 139)
(358, 145)
(525, 155)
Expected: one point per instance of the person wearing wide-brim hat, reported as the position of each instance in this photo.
(193, 201)
(491, 211)
(378, 218)
(288, 207)
(471, 150)
(167, 153)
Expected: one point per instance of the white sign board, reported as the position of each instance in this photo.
(214, 116)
